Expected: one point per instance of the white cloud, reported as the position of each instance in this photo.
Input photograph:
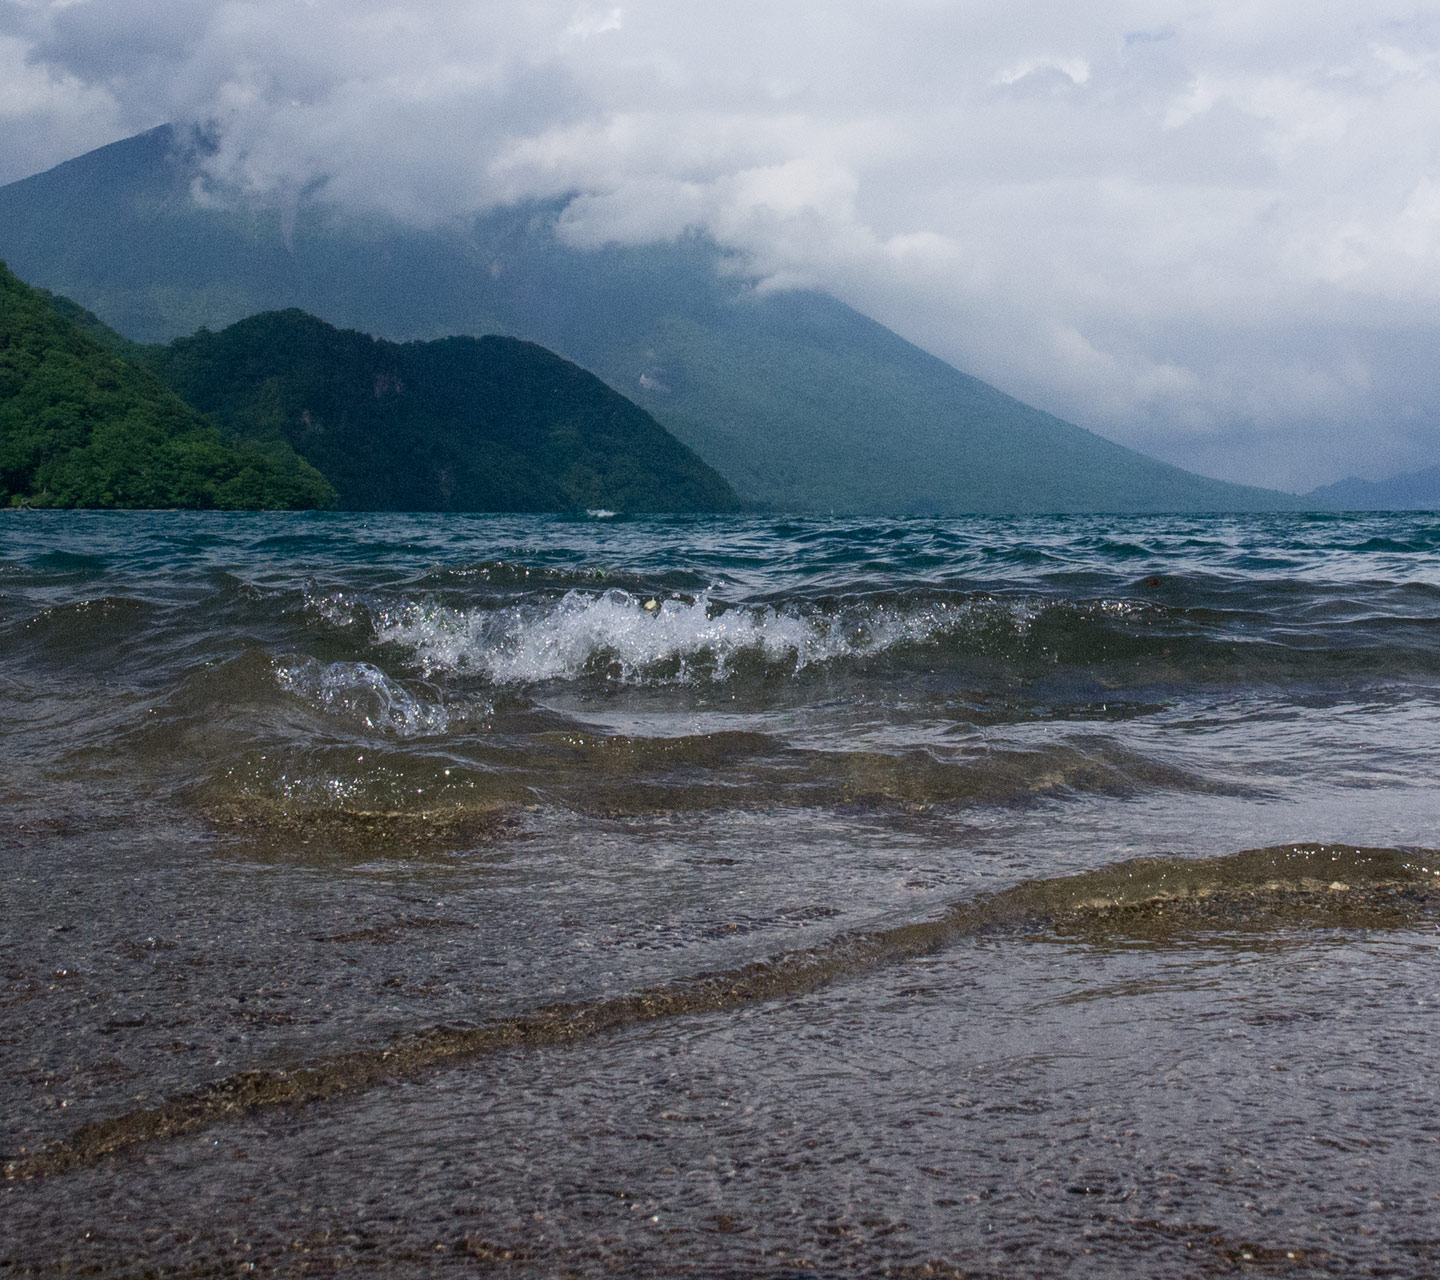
(1076, 70)
(588, 23)
(1211, 231)
(47, 115)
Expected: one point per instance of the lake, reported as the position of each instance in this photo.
(719, 896)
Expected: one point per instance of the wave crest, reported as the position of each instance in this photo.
(361, 691)
(625, 637)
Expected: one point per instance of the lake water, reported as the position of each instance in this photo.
(719, 897)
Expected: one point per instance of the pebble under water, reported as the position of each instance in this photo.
(402, 895)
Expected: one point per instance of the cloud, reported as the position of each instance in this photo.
(1210, 232)
(595, 23)
(47, 115)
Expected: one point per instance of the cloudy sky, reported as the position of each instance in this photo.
(1210, 230)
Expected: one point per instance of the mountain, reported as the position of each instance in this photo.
(457, 424)
(801, 402)
(81, 426)
(1411, 491)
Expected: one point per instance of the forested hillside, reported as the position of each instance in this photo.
(458, 424)
(83, 426)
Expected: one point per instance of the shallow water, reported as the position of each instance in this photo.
(699, 896)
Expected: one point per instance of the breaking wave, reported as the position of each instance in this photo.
(626, 637)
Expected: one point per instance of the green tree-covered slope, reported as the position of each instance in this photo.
(799, 401)
(82, 426)
(457, 424)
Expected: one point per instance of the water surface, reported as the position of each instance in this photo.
(719, 896)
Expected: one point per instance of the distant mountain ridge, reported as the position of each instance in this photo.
(801, 402)
(1409, 491)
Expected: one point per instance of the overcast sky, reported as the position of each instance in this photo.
(1207, 230)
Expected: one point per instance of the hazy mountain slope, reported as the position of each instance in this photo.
(81, 426)
(93, 327)
(1411, 491)
(800, 401)
(457, 424)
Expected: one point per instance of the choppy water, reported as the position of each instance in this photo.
(710, 897)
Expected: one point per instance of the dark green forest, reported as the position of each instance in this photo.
(457, 424)
(83, 426)
(284, 411)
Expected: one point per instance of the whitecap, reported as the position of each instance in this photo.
(632, 639)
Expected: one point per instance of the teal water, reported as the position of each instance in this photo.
(282, 790)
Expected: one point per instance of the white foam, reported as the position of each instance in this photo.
(361, 691)
(616, 635)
